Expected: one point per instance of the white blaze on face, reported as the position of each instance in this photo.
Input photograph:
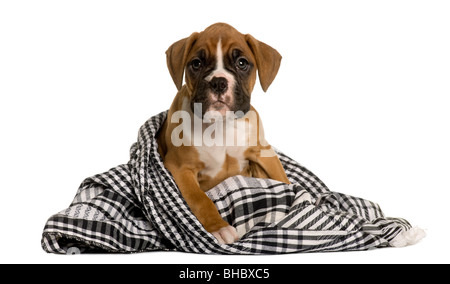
(215, 148)
(225, 101)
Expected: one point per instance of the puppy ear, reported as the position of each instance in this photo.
(268, 61)
(176, 58)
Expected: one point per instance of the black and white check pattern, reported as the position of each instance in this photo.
(137, 207)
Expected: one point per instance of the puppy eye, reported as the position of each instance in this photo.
(242, 63)
(196, 64)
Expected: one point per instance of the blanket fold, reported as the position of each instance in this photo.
(137, 207)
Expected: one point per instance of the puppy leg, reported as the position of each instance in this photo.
(267, 166)
(226, 235)
(273, 168)
(202, 207)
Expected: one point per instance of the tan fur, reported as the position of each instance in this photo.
(183, 161)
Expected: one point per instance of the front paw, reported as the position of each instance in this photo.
(226, 235)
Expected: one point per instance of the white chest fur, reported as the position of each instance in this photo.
(216, 146)
(217, 138)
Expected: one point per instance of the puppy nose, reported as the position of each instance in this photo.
(219, 85)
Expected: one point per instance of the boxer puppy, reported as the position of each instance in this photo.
(212, 132)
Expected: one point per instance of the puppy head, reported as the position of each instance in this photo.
(220, 66)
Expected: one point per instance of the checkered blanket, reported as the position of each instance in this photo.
(137, 207)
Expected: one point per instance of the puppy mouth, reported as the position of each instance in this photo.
(220, 107)
(219, 104)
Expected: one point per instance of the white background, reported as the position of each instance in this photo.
(361, 99)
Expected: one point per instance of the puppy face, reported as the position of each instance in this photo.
(221, 75)
(220, 66)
